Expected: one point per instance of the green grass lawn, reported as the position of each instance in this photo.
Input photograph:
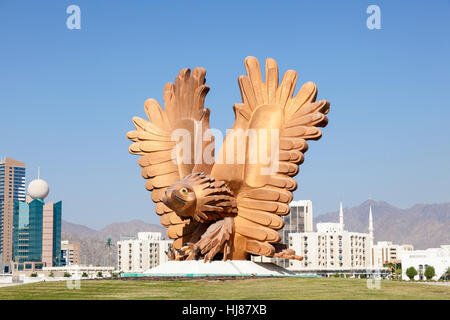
(281, 288)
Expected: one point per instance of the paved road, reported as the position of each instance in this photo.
(8, 284)
(445, 284)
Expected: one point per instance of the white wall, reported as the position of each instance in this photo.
(439, 258)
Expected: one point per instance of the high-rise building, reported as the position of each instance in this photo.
(12, 188)
(37, 229)
(70, 253)
(143, 253)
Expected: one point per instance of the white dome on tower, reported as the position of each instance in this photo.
(38, 189)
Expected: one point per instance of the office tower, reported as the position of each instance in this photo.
(12, 188)
(37, 228)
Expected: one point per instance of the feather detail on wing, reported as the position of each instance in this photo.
(278, 124)
(163, 162)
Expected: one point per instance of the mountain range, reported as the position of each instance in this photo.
(422, 225)
(93, 249)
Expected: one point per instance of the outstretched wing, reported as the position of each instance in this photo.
(276, 125)
(164, 160)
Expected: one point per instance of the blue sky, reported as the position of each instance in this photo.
(67, 96)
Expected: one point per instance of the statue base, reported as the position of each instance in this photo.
(199, 268)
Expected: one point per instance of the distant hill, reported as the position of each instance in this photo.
(77, 229)
(92, 242)
(423, 225)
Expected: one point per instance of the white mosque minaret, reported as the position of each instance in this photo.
(370, 224)
(341, 216)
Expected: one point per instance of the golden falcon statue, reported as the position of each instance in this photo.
(230, 208)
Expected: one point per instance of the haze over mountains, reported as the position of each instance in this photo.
(92, 242)
(423, 225)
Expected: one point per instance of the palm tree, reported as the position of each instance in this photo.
(109, 245)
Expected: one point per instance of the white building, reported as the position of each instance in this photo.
(439, 258)
(77, 271)
(385, 251)
(143, 253)
(332, 248)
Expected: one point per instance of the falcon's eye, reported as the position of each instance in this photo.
(184, 191)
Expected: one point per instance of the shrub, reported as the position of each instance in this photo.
(335, 275)
(429, 272)
(34, 275)
(51, 275)
(67, 275)
(411, 272)
(398, 273)
(84, 275)
(100, 274)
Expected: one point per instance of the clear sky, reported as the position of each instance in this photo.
(67, 96)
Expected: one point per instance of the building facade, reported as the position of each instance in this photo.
(70, 253)
(12, 188)
(331, 248)
(36, 229)
(37, 232)
(387, 252)
(438, 258)
(145, 252)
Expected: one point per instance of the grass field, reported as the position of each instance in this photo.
(285, 288)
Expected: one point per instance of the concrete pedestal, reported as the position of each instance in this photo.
(218, 268)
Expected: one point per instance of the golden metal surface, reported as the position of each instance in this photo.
(229, 207)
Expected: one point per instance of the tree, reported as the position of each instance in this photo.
(108, 245)
(390, 266)
(411, 272)
(429, 272)
(398, 273)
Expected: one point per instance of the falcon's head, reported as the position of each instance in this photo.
(201, 198)
(180, 197)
